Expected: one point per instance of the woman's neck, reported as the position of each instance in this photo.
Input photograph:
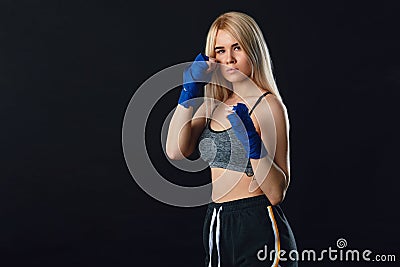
(245, 88)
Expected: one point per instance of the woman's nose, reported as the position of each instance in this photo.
(229, 58)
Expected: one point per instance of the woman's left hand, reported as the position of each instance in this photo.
(244, 129)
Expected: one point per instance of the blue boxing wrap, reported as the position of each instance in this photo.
(195, 77)
(254, 146)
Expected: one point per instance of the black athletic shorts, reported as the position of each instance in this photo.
(247, 232)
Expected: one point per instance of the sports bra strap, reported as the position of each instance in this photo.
(258, 101)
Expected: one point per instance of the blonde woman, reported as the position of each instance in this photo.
(241, 129)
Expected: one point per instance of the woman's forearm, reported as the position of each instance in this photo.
(179, 133)
(273, 182)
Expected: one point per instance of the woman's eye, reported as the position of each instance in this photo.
(220, 51)
(237, 48)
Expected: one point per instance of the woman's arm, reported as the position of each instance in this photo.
(274, 181)
(184, 131)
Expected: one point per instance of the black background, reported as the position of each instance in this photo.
(70, 68)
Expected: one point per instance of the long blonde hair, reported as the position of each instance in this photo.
(249, 36)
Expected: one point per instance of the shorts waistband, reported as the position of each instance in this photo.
(239, 204)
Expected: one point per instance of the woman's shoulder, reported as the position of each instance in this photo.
(274, 102)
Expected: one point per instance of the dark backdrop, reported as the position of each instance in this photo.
(70, 68)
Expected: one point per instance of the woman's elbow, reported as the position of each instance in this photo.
(277, 196)
(276, 199)
(174, 154)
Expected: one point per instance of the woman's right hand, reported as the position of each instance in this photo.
(195, 77)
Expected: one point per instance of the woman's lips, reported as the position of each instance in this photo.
(232, 70)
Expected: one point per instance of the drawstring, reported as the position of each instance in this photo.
(217, 235)
(210, 237)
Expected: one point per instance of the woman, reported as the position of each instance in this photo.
(241, 130)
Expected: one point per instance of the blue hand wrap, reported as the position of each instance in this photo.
(194, 79)
(254, 146)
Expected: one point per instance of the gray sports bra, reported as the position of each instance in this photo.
(216, 148)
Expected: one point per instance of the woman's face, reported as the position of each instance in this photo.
(234, 60)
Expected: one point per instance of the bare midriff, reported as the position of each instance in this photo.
(234, 185)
